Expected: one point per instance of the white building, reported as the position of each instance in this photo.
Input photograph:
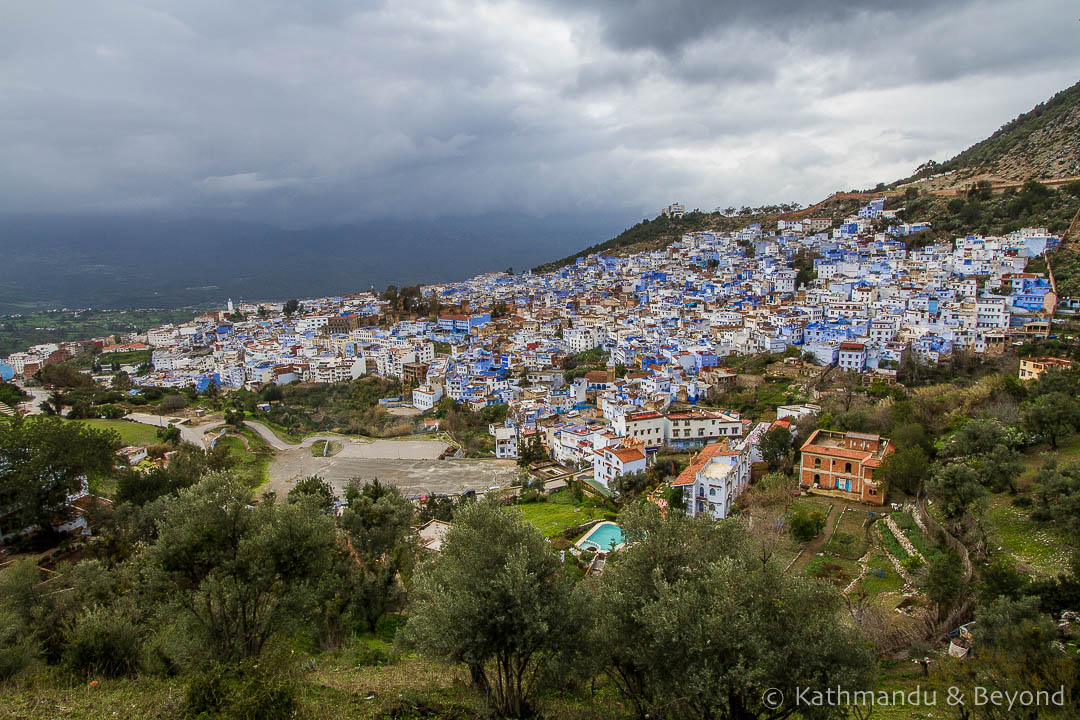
(612, 462)
(506, 443)
(426, 396)
(650, 427)
(852, 357)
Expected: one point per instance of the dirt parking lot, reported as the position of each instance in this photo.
(411, 465)
(393, 450)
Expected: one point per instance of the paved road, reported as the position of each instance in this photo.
(194, 435)
(38, 396)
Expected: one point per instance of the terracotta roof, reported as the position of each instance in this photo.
(626, 455)
(837, 452)
(647, 415)
(687, 476)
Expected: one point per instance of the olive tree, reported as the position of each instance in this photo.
(495, 600)
(378, 524)
(43, 460)
(690, 622)
(232, 572)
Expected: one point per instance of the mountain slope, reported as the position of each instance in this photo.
(1041, 143)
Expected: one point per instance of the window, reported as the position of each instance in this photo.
(847, 467)
(817, 464)
(712, 491)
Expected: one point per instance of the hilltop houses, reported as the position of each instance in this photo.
(611, 359)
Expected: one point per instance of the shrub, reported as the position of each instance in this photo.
(368, 655)
(912, 563)
(206, 691)
(17, 650)
(1022, 501)
(173, 402)
(559, 543)
(260, 688)
(110, 412)
(102, 640)
(263, 690)
(16, 658)
(805, 525)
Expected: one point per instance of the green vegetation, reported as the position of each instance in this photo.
(837, 571)
(806, 525)
(42, 462)
(1012, 137)
(888, 581)
(301, 409)
(1033, 205)
(561, 510)
(890, 543)
(129, 432)
(18, 332)
(250, 456)
(319, 448)
(849, 537)
(469, 429)
(915, 534)
(1045, 549)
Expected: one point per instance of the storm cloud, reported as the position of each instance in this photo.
(303, 113)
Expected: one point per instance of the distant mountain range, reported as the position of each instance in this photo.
(132, 262)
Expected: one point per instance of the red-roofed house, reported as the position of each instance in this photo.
(843, 464)
(613, 462)
(718, 474)
(712, 481)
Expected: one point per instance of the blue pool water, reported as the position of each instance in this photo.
(601, 537)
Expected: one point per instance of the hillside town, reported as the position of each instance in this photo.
(850, 295)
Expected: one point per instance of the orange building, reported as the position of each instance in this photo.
(843, 464)
(1032, 367)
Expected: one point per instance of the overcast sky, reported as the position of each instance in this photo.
(321, 111)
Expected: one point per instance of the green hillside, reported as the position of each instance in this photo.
(1041, 143)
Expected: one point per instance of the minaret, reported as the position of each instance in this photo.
(230, 306)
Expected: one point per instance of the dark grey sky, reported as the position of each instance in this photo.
(329, 111)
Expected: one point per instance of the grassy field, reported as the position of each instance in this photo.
(874, 585)
(1045, 549)
(282, 434)
(252, 458)
(131, 433)
(561, 511)
(890, 543)
(811, 505)
(836, 570)
(918, 538)
(849, 538)
(344, 685)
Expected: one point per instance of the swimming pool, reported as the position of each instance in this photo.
(601, 537)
